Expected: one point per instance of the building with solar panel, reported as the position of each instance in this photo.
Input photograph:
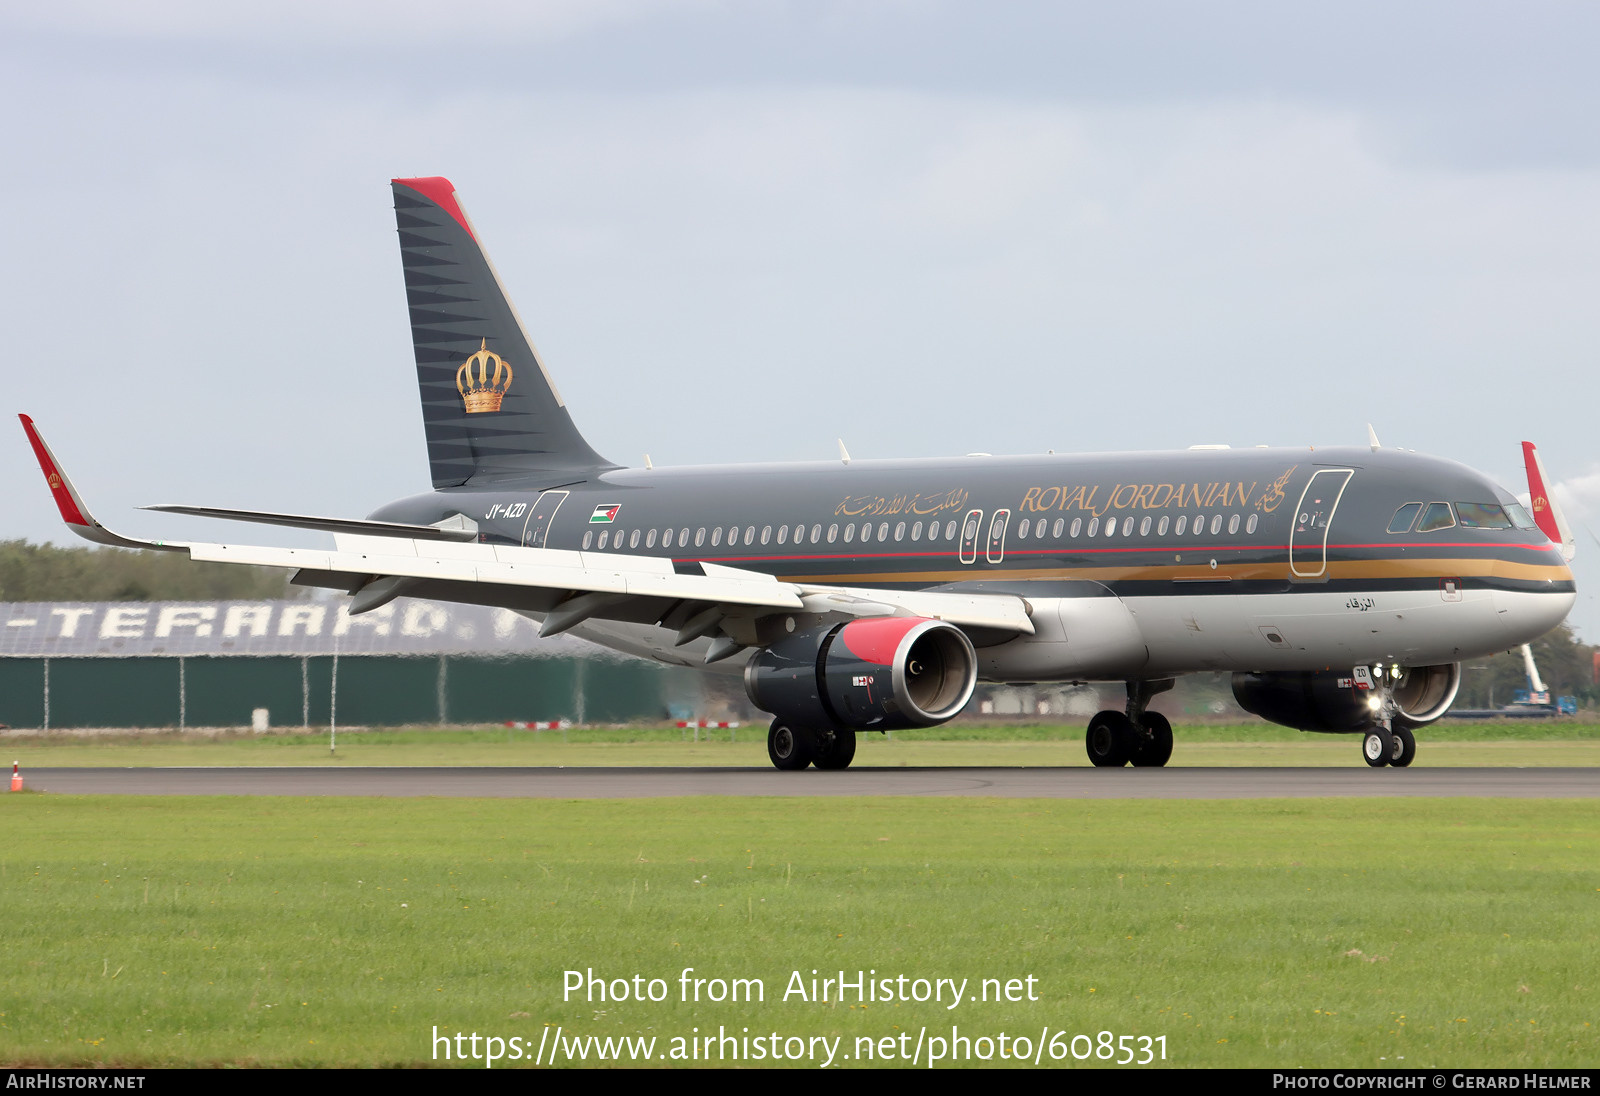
(215, 663)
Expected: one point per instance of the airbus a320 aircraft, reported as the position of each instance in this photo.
(1342, 587)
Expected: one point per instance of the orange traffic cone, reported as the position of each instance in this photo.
(16, 778)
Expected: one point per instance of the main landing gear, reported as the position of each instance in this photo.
(1143, 738)
(792, 746)
(1383, 743)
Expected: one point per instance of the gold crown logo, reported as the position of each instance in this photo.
(483, 380)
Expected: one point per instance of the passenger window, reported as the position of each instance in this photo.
(683, 537)
(900, 531)
(700, 536)
(766, 534)
(1077, 527)
(883, 530)
(588, 538)
(1055, 530)
(616, 542)
(1436, 516)
(866, 532)
(1403, 517)
(833, 531)
(716, 536)
(1144, 526)
(604, 533)
(799, 533)
(633, 539)
(1199, 525)
(950, 529)
(650, 539)
(916, 531)
(1022, 530)
(816, 533)
(1250, 526)
(1233, 525)
(1182, 524)
(1216, 524)
(1161, 527)
(1094, 526)
(733, 535)
(749, 534)
(849, 533)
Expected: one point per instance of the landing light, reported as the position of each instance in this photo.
(1374, 702)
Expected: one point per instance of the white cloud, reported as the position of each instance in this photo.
(355, 21)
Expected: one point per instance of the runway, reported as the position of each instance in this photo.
(1011, 783)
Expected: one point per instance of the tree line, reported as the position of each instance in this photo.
(45, 572)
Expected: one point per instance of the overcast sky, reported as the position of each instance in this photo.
(740, 230)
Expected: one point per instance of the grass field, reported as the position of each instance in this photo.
(1262, 933)
(1251, 745)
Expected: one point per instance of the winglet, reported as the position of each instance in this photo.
(1542, 501)
(70, 503)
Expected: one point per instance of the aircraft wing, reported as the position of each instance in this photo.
(730, 604)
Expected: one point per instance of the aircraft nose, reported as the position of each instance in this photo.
(1527, 614)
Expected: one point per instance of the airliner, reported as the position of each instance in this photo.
(1342, 588)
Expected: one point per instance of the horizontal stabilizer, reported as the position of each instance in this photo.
(358, 526)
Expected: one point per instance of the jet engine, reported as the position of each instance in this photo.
(876, 673)
(1328, 700)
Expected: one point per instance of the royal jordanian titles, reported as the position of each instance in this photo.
(1342, 588)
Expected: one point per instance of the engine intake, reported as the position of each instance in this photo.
(878, 673)
(1327, 700)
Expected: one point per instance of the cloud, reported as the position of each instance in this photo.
(490, 22)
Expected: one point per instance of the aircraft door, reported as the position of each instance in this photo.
(997, 536)
(1308, 537)
(970, 527)
(537, 527)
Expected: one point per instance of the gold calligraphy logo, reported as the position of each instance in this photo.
(1274, 493)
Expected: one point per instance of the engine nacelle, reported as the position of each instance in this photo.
(876, 673)
(1327, 700)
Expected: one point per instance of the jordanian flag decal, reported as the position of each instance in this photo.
(605, 513)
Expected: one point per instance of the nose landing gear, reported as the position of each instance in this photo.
(1384, 743)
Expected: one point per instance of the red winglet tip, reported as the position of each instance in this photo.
(53, 477)
(442, 193)
(1539, 494)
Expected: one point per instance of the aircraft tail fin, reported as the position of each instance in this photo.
(1542, 501)
(489, 408)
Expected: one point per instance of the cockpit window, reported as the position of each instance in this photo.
(1520, 517)
(1481, 515)
(1403, 517)
(1436, 516)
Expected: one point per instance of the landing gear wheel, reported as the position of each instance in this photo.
(1154, 747)
(1377, 747)
(836, 749)
(1111, 740)
(790, 747)
(1405, 748)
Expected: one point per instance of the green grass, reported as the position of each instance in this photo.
(1261, 933)
(960, 745)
